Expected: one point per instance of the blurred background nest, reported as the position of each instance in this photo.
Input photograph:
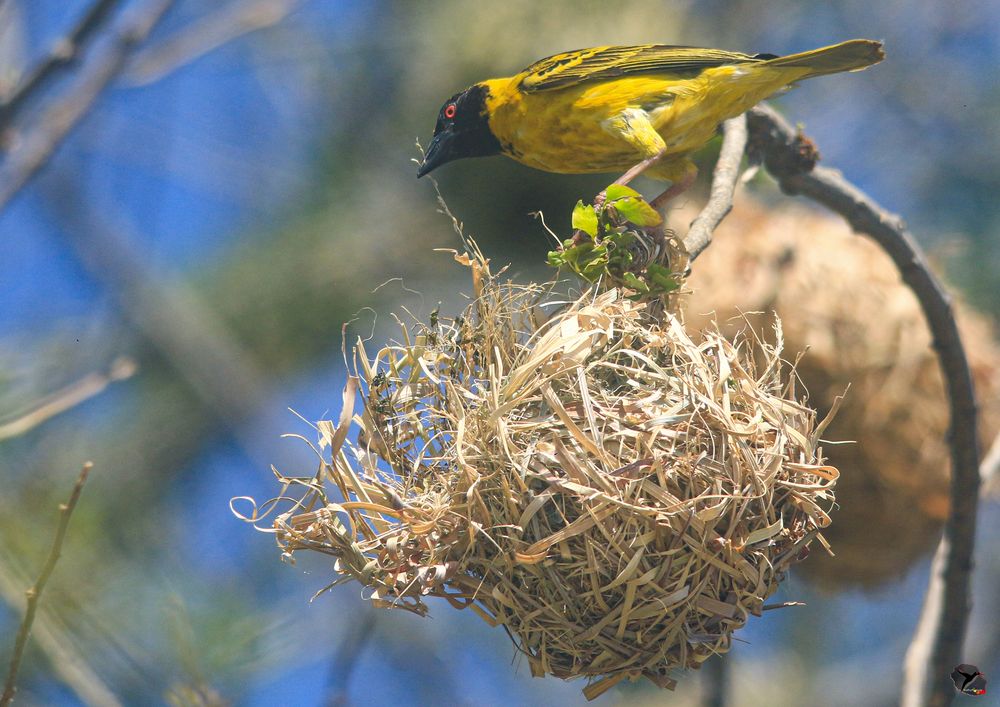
(842, 302)
(237, 193)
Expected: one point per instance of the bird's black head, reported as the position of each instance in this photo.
(462, 130)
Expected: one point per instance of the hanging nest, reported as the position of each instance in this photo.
(617, 496)
(839, 296)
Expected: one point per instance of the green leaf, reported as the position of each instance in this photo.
(577, 252)
(619, 191)
(638, 212)
(635, 283)
(585, 219)
(662, 277)
(622, 240)
(593, 271)
(657, 269)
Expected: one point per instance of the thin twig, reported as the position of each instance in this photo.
(786, 155)
(36, 146)
(345, 659)
(204, 35)
(68, 397)
(916, 678)
(64, 52)
(918, 654)
(989, 470)
(715, 682)
(724, 178)
(782, 605)
(67, 661)
(35, 593)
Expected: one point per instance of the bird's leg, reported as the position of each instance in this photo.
(633, 126)
(639, 168)
(632, 173)
(681, 185)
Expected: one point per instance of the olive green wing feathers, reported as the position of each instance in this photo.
(601, 63)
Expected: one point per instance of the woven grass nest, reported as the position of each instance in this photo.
(618, 497)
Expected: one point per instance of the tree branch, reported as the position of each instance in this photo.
(724, 178)
(64, 52)
(56, 641)
(66, 662)
(715, 678)
(787, 155)
(33, 150)
(989, 470)
(66, 398)
(35, 593)
(204, 35)
(346, 656)
(920, 650)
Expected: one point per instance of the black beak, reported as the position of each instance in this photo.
(441, 150)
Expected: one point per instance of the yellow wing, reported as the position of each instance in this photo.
(571, 68)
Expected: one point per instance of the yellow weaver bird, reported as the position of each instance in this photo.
(610, 109)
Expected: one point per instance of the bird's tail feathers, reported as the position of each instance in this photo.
(852, 55)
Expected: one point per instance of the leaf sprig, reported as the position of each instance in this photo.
(601, 244)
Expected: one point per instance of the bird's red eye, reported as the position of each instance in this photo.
(450, 111)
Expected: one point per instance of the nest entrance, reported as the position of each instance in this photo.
(617, 496)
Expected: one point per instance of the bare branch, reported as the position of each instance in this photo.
(66, 398)
(33, 149)
(64, 52)
(345, 659)
(66, 660)
(784, 152)
(715, 678)
(989, 470)
(919, 652)
(724, 178)
(35, 592)
(204, 35)
(916, 680)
